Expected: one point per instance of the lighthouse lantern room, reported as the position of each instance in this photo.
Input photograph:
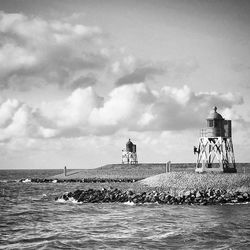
(215, 150)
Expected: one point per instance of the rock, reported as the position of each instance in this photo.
(190, 197)
(173, 200)
(178, 200)
(152, 199)
(204, 203)
(240, 198)
(210, 192)
(111, 197)
(162, 197)
(246, 197)
(217, 192)
(234, 201)
(193, 192)
(81, 198)
(130, 192)
(77, 193)
(168, 197)
(106, 198)
(198, 194)
(70, 194)
(156, 196)
(65, 197)
(148, 197)
(197, 200)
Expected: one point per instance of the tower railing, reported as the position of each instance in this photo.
(212, 132)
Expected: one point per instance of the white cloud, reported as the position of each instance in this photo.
(123, 107)
(13, 58)
(19, 121)
(127, 69)
(131, 107)
(53, 50)
(125, 65)
(146, 119)
(73, 112)
(7, 110)
(182, 108)
(181, 95)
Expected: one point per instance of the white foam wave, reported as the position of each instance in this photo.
(26, 180)
(61, 200)
(130, 203)
(70, 200)
(236, 203)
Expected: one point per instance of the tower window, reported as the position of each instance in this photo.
(210, 123)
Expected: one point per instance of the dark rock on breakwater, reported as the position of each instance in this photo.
(205, 197)
(87, 180)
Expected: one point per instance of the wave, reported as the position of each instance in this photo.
(70, 200)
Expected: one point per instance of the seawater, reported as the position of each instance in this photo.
(30, 218)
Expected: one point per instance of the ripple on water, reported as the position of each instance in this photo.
(31, 220)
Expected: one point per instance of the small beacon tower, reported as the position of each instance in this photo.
(215, 151)
(129, 155)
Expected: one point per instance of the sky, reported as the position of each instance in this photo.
(79, 78)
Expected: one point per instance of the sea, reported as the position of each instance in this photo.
(30, 218)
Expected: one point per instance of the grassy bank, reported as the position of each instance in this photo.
(137, 171)
(182, 181)
(116, 171)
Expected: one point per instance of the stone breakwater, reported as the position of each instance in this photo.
(206, 197)
(86, 180)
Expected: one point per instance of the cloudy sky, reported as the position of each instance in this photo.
(78, 78)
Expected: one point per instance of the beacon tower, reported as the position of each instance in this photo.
(129, 155)
(215, 150)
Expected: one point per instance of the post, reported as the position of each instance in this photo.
(65, 171)
(168, 166)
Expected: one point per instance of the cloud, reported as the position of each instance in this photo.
(130, 70)
(125, 65)
(37, 52)
(55, 51)
(7, 110)
(133, 107)
(140, 74)
(84, 81)
(182, 108)
(123, 107)
(74, 111)
(18, 120)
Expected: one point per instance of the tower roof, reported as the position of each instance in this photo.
(129, 142)
(214, 115)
